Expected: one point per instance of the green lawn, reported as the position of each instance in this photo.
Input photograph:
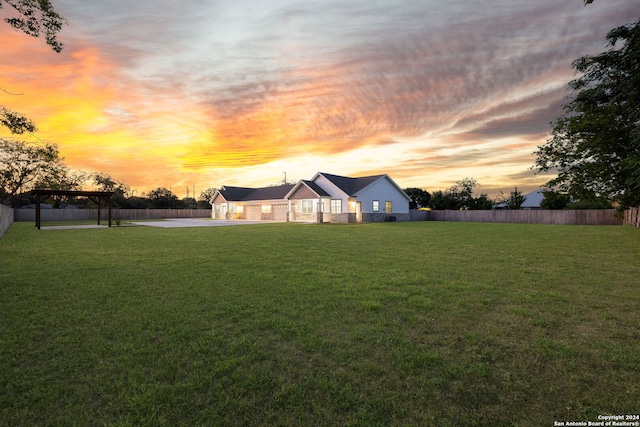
(430, 323)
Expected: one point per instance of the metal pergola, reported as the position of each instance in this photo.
(96, 196)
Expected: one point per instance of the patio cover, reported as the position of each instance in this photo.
(95, 196)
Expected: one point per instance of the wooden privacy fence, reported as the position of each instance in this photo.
(116, 214)
(6, 219)
(632, 217)
(572, 217)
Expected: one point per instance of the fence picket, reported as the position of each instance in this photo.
(632, 217)
(578, 217)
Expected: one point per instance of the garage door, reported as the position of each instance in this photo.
(253, 213)
(279, 212)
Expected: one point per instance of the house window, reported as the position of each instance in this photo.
(336, 205)
(307, 206)
(217, 208)
(376, 205)
(232, 207)
(388, 207)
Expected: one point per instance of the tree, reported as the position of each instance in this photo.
(204, 201)
(189, 203)
(23, 166)
(419, 197)
(162, 198)
(600, 203)
(595, 146)
(33, 17)
(16, 123)
(515, 199)
(443, 200)
(554, 200)
(482, 202)
(460, 196)
(104, 182)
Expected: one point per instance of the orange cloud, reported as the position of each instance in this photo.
(101, 119)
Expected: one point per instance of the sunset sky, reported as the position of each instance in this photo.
(207, 93)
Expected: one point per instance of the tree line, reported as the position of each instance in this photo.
(28, 166)
(461, 197)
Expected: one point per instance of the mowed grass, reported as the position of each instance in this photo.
(425, 323)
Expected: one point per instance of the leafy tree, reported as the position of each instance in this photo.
(460, 196)
(463, 192)
(595, 146)
(32, 17)
(599, 203)
(35, 17)
(419, 197)
(104, 182)
(16, 122)
(162, 198)
(204, 201)
(482, 202)
(23, 166)
(515, 199)
(554, 200)
(134, 202)
(443, 200)
(189, 203)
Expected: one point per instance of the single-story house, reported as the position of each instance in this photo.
(324, 198)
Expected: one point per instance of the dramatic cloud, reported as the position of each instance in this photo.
(224, 92)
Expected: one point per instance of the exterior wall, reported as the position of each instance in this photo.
(304, 193)
(374, 217)
(331, 217)
(6, 219)
(305, 217)
(335, 193)
(216, 207)
(296, 214)
(383, 191)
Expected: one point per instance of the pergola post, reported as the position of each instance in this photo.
(98, 200)
(38, 211)
(109, 202)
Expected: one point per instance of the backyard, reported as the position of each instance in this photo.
(419, 323)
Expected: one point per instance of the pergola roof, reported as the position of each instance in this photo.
(96, 196)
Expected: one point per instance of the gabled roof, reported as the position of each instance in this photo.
(241, 194)
(352, 186)
(311, 186)
(270, 193)
(234, 193)
(532, 200)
